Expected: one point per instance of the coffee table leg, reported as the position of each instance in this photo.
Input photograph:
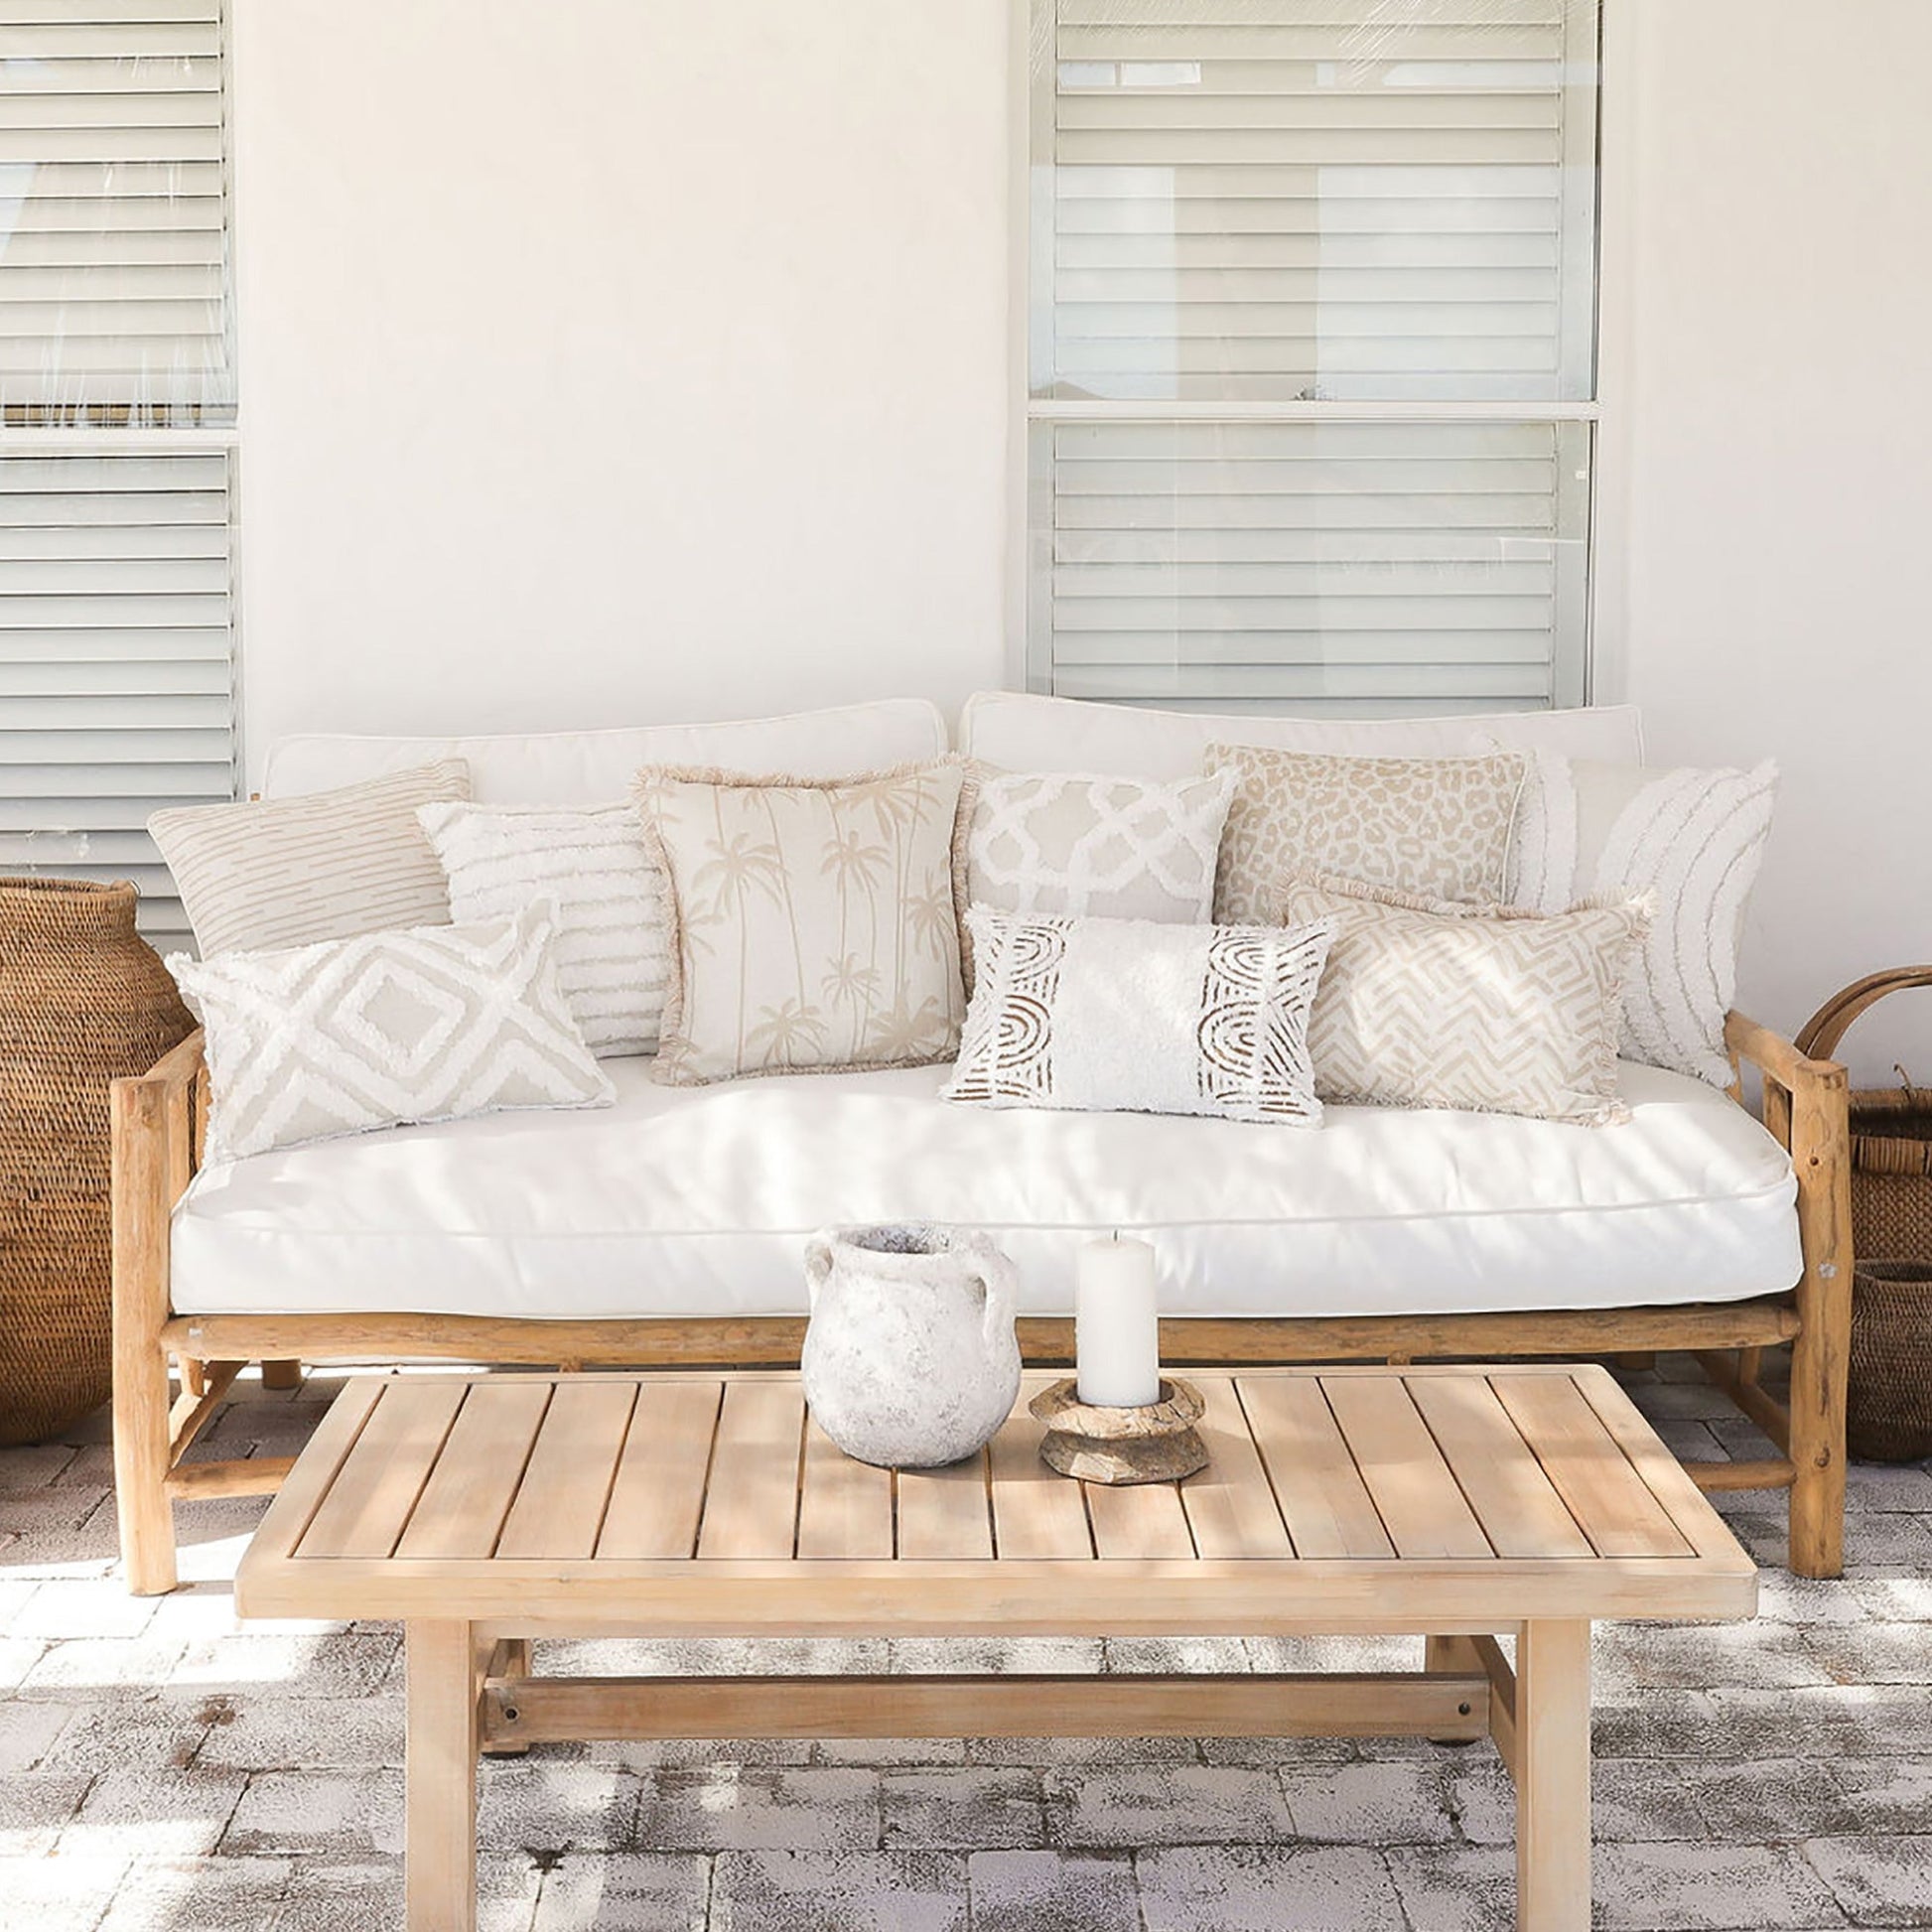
(1552, 1777)
(445, 1689)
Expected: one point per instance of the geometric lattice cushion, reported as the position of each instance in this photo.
(1076, 847)
(1124, 1016)
(612, 940)
(433, 1024)
(1073, 847)
(1435, 827)
(1485, 1009)
(1696, 840)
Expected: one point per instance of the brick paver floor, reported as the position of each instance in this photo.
(163, 1767)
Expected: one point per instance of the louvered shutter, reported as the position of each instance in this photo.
(1351, 566)
(113, 261)
(116, 689)
(116, 376)
(1313, 349)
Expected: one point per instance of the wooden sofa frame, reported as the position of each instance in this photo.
(159, 1119)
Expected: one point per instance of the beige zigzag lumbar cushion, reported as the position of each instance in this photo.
(1487, 1009)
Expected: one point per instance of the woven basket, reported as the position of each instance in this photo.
(83, 1000)
(1891, 1411)
(1889, 1415)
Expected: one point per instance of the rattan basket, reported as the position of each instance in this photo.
(83, 999)
(1889, 1419)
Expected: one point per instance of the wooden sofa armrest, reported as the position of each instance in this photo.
(156, 1123)
(1777, 1057)
(1808, 1106)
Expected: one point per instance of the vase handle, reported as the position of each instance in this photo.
(818, 1267)
(1000, 1282)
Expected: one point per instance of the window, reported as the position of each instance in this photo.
(118, 405)
(1311, 347)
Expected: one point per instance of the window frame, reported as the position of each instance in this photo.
(1581, 326)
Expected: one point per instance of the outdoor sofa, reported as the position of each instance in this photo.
(668, 1228)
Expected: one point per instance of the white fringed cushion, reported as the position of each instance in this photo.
(613, 943)
(1435, 827)
(1484, 1009)
(294, 870)
(387, 1028)
(1123, 1016)
(1695, 839)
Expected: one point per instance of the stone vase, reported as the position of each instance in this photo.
(911, 1360)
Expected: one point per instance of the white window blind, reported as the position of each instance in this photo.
(116, 689)
(114, 213)
(116, 376)
(1312, 351)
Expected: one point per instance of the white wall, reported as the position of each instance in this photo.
(613, 361)
(1766, 556)
(629, 359)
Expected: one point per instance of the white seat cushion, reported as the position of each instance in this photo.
(697, 1201)
(598, 767)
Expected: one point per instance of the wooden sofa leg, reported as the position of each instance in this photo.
(141, 1165)
(1822, 1351)
(281, 1375)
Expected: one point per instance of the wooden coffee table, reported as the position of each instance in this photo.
(1457, 1504)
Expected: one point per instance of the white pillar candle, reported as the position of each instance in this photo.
(1116, 1324)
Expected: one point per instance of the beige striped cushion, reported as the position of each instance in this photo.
(295, 871)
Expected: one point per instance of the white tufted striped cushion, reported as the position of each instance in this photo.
(612, 959)
(1695, 839)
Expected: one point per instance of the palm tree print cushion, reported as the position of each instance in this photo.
(813, 924)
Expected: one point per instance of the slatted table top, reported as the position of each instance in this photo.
(1428, 1498)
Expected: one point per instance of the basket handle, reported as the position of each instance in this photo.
(1819, 1036)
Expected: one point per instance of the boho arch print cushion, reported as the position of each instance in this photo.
(813, 925)
(1435, 827)
(1124, 1016)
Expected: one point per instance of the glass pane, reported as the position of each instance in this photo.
(1283, 200)
(1364, 567)
(114, 305)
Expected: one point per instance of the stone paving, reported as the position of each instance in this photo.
(163, 1767)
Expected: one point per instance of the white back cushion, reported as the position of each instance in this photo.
(1019, 731)
(598, 767)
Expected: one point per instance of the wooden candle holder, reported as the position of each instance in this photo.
(1158, 1444)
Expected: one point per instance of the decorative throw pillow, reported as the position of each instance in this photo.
(1489, 1009)
(1123, 1016)
(612, 949)
(1692, 838)
(1078, 847)
(1070, 845)
(384, 1029)
(812, 924)
(1435, 827)
(293, 870)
